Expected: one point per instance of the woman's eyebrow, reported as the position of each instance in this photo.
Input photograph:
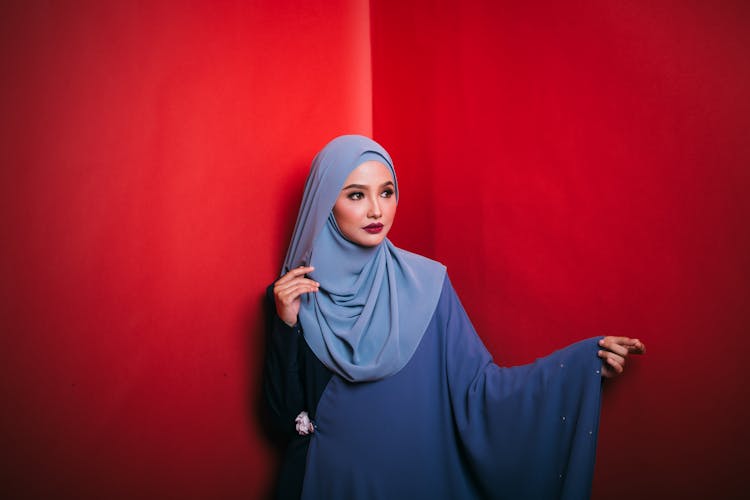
(362, 186)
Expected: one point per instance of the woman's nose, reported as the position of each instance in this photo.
(374, 212)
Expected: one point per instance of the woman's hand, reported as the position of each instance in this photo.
(615, 351)
(287, 291)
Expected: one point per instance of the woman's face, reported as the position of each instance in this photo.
(366, 205)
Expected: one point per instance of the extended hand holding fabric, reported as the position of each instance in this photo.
(287, 291)
(615, 351)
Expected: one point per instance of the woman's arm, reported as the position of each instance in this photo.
(283, 386)
(529, 431)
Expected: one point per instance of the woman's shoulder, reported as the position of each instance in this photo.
(420, 259)
(432, 275)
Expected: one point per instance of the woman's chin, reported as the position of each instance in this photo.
(368, 240)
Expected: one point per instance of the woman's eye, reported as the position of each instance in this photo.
(387, 193)
(355, 196)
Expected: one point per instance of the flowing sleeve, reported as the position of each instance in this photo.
(528, 431)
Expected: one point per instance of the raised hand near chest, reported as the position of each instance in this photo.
(287, 291)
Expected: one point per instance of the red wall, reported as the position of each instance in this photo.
(152, 157)
(580, 169)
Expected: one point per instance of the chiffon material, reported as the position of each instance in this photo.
(452, 424)
(374, 303)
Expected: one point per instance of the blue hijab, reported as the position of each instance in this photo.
(374, 303)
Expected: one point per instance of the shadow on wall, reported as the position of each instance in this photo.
(259, 312)
(258, 416)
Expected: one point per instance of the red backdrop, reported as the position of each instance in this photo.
(583, 169)
(580, 169)
(152, 158)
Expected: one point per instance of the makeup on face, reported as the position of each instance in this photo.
(366, 206)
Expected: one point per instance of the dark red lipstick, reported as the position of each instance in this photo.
(374, 228)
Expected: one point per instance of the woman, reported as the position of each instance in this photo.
(374, 362)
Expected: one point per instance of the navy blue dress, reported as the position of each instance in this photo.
(451, 424)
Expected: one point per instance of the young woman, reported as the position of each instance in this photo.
(374, 363)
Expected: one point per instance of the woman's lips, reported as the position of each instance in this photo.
(374, 228)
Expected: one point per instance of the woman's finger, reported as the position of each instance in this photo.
(293, 273)
(291, 294)
(279, 288)
(618, 367)
(615, 351)
(623, 344)
(607, 371)
(614, 344)
(637, 347)
(612, 365)
(611, 357)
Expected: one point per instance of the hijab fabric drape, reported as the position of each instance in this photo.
(374, 303)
